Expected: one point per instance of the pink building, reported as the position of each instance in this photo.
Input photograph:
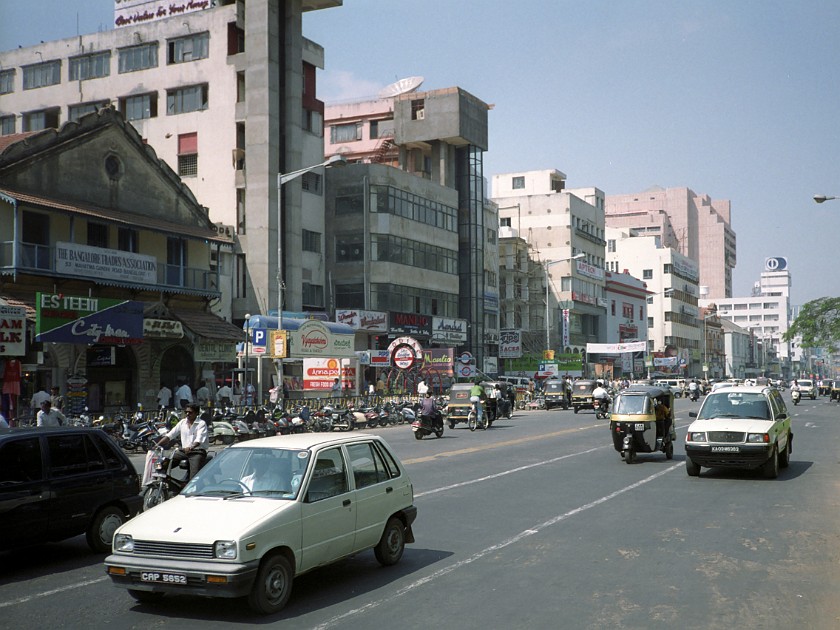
(695, 225)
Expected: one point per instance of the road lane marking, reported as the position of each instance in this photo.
(69, 587)
(493, 548)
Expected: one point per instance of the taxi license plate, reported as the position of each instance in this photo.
(640, 426)
(726, 449)
(163, 578)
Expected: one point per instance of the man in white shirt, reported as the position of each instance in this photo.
(164, 396)
(422, 388)
(37, 398)
(202, 394)
(224, 394)
(194, 442)
(183, 396)
(49, 417)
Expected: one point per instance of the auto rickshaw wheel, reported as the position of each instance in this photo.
(629, 456)
(577, 408)
(669, 451)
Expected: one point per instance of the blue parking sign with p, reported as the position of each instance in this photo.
(260, 337)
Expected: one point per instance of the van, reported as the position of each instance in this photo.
(520, 383)
(677, 385)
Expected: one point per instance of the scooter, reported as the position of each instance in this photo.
(796, 395)
(426, 425)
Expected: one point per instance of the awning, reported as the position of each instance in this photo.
(29, 306)
(209, 326)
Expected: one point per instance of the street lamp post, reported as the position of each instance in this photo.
(247, 353)
(283, 178)
(546, 265)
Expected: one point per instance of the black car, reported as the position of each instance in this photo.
(56, 483)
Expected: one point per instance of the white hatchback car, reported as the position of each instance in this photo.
(740, 427)
(262, 512)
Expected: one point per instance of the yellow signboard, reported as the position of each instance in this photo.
(279, 344)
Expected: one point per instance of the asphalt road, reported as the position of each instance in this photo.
(534, 523)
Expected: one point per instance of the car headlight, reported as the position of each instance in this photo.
(124, 543)
(696, 436)
(225, 549)
(758, 438)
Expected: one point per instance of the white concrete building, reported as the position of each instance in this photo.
(675, 332)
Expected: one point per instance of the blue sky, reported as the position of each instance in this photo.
(735, 99)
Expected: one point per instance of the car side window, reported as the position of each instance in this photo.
(329, 478)
(20, 462)
(390, 462)
(367, 464)
(72, 455)
(108, 450)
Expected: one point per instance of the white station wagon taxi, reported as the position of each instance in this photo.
(740, 427)
(264, 511)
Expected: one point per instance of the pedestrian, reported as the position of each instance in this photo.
(335, 391)
(202, 394)
(224, 395)
(183, 395)
(422, 388)
(37, 398)
(164, 396)
(56, 399)
(49, 417)
(193, 433)
(250, 393)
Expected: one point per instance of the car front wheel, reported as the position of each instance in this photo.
(392, 544)
(691, 468)
(273, 585)
(770, 468)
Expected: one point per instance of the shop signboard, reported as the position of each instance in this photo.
(449, 330)
(314, 339)
(439, 360)
(207, 351)
(162, 329)
(380, 358)
(12, 331)
(510, 343)
(320, 374)
(411, 324)
(105, 264)
(87, 320)
(368, 321)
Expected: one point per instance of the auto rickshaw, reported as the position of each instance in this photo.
(835, 390)
(458, 408)
(582, 394)
(825, 387)
(555, 394)
(505, 404)
(633, 423)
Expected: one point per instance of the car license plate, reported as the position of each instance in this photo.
(726, 449)
(640, 426)
(163, 578)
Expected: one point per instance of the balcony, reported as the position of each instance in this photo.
(39, 260)
(590, 237)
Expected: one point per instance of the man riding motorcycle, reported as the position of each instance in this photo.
(601, 397)
(429, 413)
(693, 390)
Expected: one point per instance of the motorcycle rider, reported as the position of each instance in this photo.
(477, 397)
(693, 390)
(601, 396)
(429, 414)
(194, 442)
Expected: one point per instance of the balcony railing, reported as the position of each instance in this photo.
(40, 260)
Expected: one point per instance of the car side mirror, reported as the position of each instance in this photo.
(692, 414)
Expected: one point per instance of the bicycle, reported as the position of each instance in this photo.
(472, 419)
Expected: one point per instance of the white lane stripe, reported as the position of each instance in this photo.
(69, 587)
(477, 556)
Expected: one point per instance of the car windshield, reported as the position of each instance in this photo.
(626, 404)
(265, 472)
(734, 404)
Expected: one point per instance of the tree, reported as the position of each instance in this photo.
(818, 324)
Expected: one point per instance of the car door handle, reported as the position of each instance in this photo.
(389, 489)
(346, 502)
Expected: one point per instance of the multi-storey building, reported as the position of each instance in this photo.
(226, 96)
(696, 226)
(675, 329)
(409, 229)
(558, 225)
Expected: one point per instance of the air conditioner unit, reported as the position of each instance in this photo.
(421, 114)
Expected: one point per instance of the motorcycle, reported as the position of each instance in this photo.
(694, 394)
(427, 424)
(633, 422)
(602, 408)
(163, 484)
(219, 430)
(796, 395)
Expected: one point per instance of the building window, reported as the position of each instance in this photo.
(345, 133)
(504, 222)
(189, 48)
(176, 261)
(611, 245)
(7, 125)
(235, 39)
(140, 106)
(188, 154)
(313, 122)
(7, 81)
(311, 241)
(350, 295)
(612, 308)
(74, 112)
(240, 211)
(418, 109)
(311, 182)
(42, 74)
(349, 250)
(650, 322)
(312, 295)
(517, 183)
(43, 119)
(136, 58)
(93, 66)
(240, 289)
(186, 99)
(240, 87)
(374, 129)
(128, 240)
(97, 235)
(647, 274)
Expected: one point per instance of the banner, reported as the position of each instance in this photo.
(12, 331)
(87, 320)
(320, 374)
(616, 348)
